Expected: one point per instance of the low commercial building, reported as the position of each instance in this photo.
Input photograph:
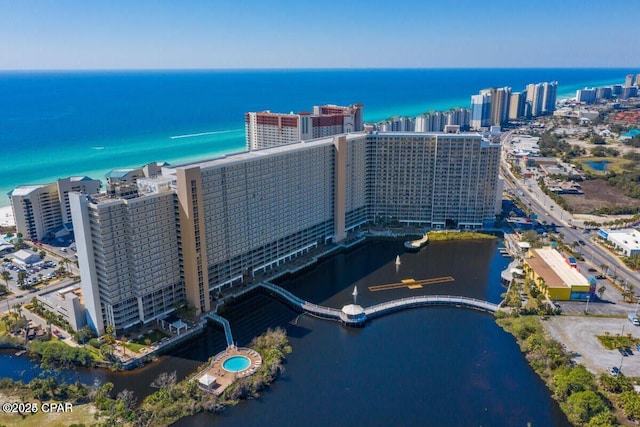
(525, 146)
(552, 274)
(26, 257)
(626, 240)
(67, 303)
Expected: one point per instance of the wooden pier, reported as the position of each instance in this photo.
(411, 283)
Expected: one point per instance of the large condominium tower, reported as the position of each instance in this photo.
(480, 111)
(41, 211)
(541, 98)
(267, 129)
(220, 222)
(129, 255)
(251, 212)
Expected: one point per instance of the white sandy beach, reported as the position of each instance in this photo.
(6, 217)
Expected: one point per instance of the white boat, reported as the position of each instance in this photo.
(398, 260)
(355, 291)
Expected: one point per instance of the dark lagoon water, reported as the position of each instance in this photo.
(421, 367)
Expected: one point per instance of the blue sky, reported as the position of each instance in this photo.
(142, 34)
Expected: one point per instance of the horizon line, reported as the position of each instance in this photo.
(62, 70)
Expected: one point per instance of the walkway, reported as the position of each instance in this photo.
(379, 309)
(428, 300)
(225, 324)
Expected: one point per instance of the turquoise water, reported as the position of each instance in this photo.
(57, 124)
(600, 166)
(236, 363)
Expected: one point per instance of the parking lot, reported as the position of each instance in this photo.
(578, 334)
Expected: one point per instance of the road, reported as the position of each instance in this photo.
(540, 204)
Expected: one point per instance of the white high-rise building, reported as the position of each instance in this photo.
(129, 255)
(41, 211)
(586, 95)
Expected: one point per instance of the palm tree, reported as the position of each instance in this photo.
(6, 276)
(601, 290)
(21, 276)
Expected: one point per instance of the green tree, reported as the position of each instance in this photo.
(602, 419)
(572, 380)
(42, 254)
(6, 276)
(583, 405)
(601, 290)
(21, 278)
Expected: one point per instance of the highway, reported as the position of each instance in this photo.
(528, 191)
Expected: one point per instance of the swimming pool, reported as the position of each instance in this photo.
(236, 363)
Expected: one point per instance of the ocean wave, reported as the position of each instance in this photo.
(193, 135)
(97, 148)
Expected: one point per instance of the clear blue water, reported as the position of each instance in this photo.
(599, 166)
(236, 363)
(57, 124)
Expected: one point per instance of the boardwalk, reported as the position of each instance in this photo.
(428, 300)
(225, 324)
(379, 309)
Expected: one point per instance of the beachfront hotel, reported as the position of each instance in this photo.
(212, 224)
(43, 211)
(266, 129)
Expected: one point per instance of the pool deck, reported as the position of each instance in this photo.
(225, 378)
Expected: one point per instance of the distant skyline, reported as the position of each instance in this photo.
(145, 34)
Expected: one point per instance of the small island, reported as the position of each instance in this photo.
(441, 236)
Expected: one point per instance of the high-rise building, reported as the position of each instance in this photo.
(603, 93)
(535, 99)
(251, 212)
(219, 222)
(586, 95)
(397, 124)
(516, 105)
(549, 97)
(458, 117)
(480, 111)
(616, 90)
(42, 211)
(628, 80)
(629, 92)
(638, 79)
(129, 255)
(267, 129)
(433, 121)
(499, 104)
(80, 184)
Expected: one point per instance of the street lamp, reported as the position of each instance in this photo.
(586, 310)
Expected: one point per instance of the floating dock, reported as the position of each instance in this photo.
(411, 283)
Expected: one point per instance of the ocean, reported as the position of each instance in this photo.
(58, 124)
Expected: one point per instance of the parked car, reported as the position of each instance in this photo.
(592, 270)
(614, 371)
(623, 352)
(599, 276)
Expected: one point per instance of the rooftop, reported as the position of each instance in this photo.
(229, 159)
(549, 264)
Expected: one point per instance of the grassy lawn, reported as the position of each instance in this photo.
(612, 342)
(81, 414)
(154, 337)
(135, 347)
